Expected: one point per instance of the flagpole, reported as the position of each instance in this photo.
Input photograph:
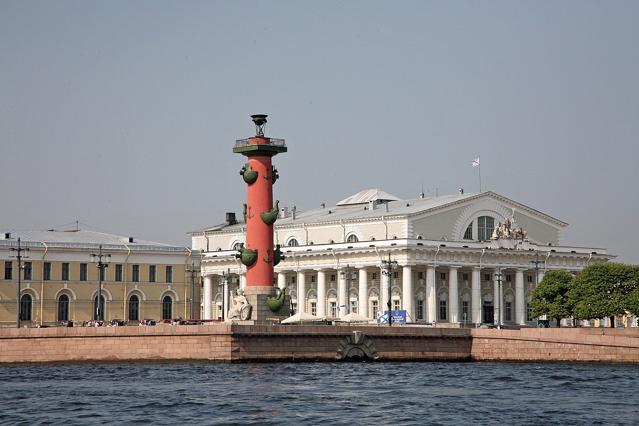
(479, 174)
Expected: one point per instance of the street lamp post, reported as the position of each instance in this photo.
(19, 256)
(347, 275)
(498, 318)
(102, 260)
(224, 285)
(192, 270)
(387, 269)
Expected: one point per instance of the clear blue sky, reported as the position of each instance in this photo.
(122, 114)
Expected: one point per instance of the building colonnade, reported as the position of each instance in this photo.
(428, 293)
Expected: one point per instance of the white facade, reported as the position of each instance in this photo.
(448, 269)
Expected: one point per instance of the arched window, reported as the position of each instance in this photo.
(352, 238)
(236, 246)
(63, 308)
(468, 235)
(167, 307)
(134, 308)
(485, 227)
(95, 310)
(26, 303)
(293, 243)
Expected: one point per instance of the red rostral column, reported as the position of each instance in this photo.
(259, 255)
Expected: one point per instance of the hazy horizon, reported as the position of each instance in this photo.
(122, 115)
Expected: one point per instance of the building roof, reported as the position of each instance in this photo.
(367, 195)
(348, 210)
(80, 238)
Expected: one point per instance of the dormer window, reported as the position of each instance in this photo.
(485, 227)
(352, 238)
(293, 243)
(468, 235)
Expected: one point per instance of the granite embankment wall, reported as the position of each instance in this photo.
(556, 344)
(240, 343)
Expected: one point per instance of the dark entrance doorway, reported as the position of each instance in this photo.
(489, 313)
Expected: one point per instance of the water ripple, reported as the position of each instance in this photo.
(312, 393)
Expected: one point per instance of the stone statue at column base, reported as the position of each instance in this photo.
(241, 309)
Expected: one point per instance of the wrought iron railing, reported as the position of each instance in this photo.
(272, 142)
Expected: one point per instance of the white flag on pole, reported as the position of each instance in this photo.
(475, 162)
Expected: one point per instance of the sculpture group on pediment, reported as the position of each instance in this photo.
(505, 231)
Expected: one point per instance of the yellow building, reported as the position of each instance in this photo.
(59, 280)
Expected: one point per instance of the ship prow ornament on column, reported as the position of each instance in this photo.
(259, 255)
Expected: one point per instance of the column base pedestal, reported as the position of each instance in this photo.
(261, 313)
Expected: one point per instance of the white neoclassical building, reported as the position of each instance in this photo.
(465, 258)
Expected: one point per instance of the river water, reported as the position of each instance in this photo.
(320, 393)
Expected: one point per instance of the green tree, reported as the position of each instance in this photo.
(605, 290)
(550, 297)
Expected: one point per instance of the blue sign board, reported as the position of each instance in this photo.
(398, 317)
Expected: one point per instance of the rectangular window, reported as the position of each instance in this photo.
(465, 311)
(118, 272)
(46, 271)
(333, 278)
(8, 270)
(312, 278)
(528, 312)
(28, 271)
(374, 308)
(508, 309)
(395, 275)
(83, 271)
(486, 277)
(65, 271)
(354, 306)
(294, 307)
(332, 309)
(420, 275)
(293, 278)
(464, 277)
(169, 274)
(442, 310)
(313, 308)
(529, 278)
(135, 273)
(151, 273)
(485, 227)
(374, 276)
(509, 278)
(420, 309)
(396, 305)
(442, 276)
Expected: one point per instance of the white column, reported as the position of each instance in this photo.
(363, 293)
(476, 295)
(520, 301)
(281, 280)
(208, 296)
(431, 294)
(321, 293)
(541, 275)
(497, 300)
(341, 292)
(384, 280)
(407, 292)
(301, 292)
(243, 281)
(453, 295)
